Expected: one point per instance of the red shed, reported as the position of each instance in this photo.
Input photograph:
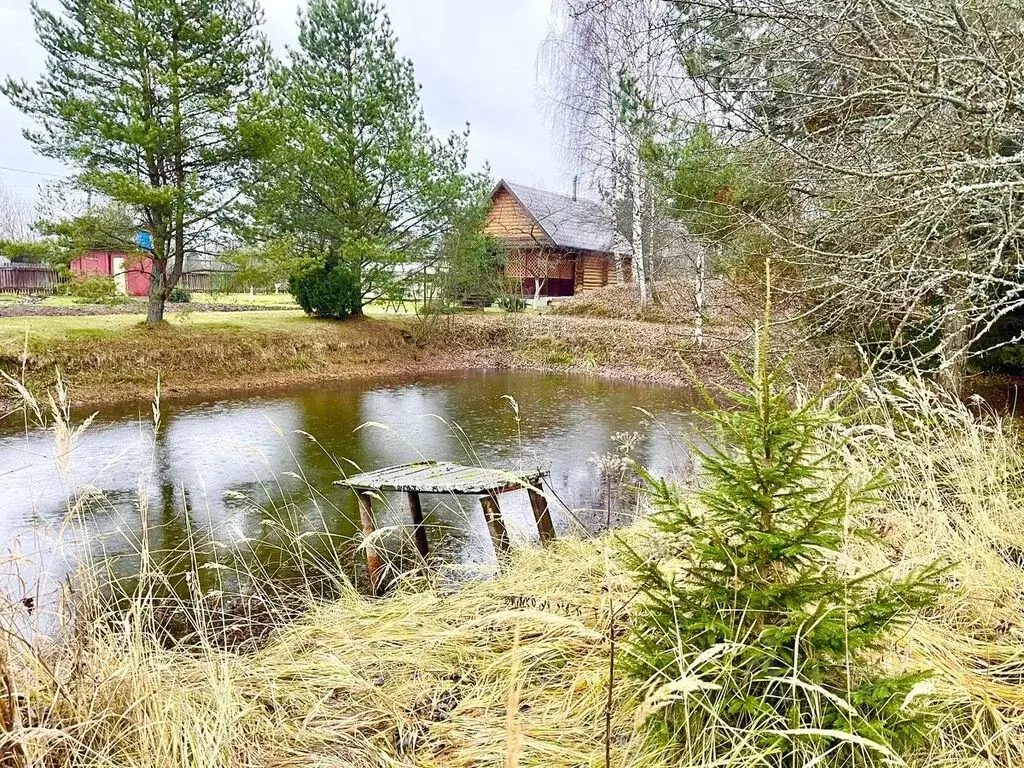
(131, 272)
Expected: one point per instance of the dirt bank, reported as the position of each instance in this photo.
(120, 360)
(659, 352)
(124, 363)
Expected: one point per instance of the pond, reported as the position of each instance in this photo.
(246, 478)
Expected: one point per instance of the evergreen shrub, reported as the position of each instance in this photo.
(330, 290)
(756, 640)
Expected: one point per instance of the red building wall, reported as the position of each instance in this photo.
(137, 270)
(94, 263)
(137, 275)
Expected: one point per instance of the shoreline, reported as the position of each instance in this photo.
(108, 360)
(122, 366)
(283, 384)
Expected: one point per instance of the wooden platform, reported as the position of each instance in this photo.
(444, 477)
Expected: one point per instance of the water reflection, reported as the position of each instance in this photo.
(251, 473)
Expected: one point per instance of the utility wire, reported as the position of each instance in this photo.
(34, 173)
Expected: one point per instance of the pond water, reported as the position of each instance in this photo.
(249, 476)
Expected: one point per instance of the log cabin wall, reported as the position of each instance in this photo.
(595, 271)
(627, 271)
(507, 221)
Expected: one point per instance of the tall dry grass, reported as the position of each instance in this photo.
(514, 671)
(502, 671)
(955, 491)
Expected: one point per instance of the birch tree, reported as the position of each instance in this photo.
(617, 87)
(16, 217)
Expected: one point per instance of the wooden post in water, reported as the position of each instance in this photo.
(492, 514)
(374, 564)
(419, 532)
(542, 515)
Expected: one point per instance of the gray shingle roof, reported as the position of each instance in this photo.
(580, 225)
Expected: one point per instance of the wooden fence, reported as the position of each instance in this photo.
(29, 278)
(218, 281)
(195, 282)
(36, 278)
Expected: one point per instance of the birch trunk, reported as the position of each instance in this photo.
(650, 250)
(639, 267)
(698, 301)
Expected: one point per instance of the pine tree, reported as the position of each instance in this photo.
(357, 182)
(752, 639)
(149, 99)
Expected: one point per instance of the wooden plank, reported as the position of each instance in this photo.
(374, 564)
(380, 477)
(542, 514)
(419, 532)
(492, 514)
(442, 477)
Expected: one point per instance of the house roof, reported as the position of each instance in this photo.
(577, 224)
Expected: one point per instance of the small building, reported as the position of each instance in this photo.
(557, 245)
(131, 272)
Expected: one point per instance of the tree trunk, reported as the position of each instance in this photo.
(650, 252)
(157, 294)
(953, 364)
(639, 267)
(155, 309)
(698, 300)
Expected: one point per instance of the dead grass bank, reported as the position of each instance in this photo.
(509, 672)
(612, 347)
(115, 358)
(673, 303)
(110, 358)
(664, 353)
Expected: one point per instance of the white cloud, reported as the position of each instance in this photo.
(476, 61)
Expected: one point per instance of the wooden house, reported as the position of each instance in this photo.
(556, 245)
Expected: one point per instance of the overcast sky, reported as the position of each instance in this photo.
(476, 61)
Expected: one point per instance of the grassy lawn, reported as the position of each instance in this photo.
(283, 300)
(42, 301)
(13, 329)
(43, 330)
(282, 314)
